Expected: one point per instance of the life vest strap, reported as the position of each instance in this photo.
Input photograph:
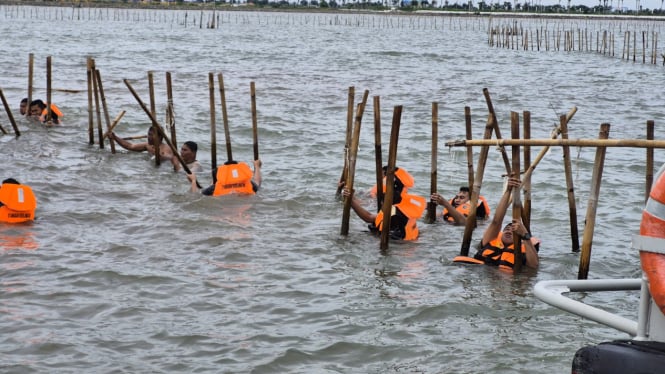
(649, 244)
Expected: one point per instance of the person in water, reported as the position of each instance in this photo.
(38, 110)
(231, 178)
(406, 209)
(462, 205)
(496, 246)
(188, 154)
(23, 106)
(17, 202)
(165, 152)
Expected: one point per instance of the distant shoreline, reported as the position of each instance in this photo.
(251, 8)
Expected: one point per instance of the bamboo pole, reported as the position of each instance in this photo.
(255, 133)
(351, 171)
(628, 143)
(31, 64)
(95, 86)
(378, 157)
(590, 220)
(469, 149)
(526, 182)
(430, 217)
(568, 170)
(107, 134)
(517, 202)
(49, 112)
(153, 111)
(90, 66)
(475, 190)
(649, 165)
(169, 108)
(347, 142)
(9, 114)
(495, 125)
(213, 126)
(390, 178)
(225, 117)
(106, 112)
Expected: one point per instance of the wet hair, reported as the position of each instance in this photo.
(192, 145)
(10, 181)
(465, 189)
(24, 100)
(38, 102)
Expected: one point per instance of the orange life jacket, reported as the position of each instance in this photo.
(54, 109)
(465, 208)
(234, 178)
(18, 203)
(412, 206)
(494, 253)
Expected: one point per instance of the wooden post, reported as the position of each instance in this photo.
(495, 125)
(347, 142)
(255, 134)
(526, 181)
(351, 171)
(590, 220)
(475, 189)
(225, 117)
(430, 217)
(31, 64)
(390, 178)
(169, 109)
(572, 208)
(378, 157)
(9, 114)
(153, 111)
(517, 202)
(49, 114)
(469, 149)
(106, 112)
(100, 132)
(213, 126)
(649, 165)
(91, 129)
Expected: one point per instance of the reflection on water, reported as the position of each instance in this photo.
(132, 268)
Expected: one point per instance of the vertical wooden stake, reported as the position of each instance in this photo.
(517, 202)
(49, 114)
(100, 87)
(100, 133)
(469, 149)
(255, 132)
(225, 118)
(347, 142)
(169, 109)
(390, 178)
(378, 157)
(430, 217)
(89, 71)
(213, 126)
(526, 182)
(31, 64)
(572, 208)
(590, 220)
(353, 153)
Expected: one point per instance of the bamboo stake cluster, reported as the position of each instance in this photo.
(638, 45)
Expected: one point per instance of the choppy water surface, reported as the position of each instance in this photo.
(126, 271)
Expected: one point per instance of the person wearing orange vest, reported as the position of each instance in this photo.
(38, 110)
(232, 178)
(406, 209)
(461, 203)
(496, 246)
(17, 202)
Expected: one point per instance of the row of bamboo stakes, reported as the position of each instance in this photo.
(512, 37)
(513, 166)
(214, 18)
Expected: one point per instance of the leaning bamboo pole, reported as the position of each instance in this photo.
(568, 170)
(590, 220)
(628, 143)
